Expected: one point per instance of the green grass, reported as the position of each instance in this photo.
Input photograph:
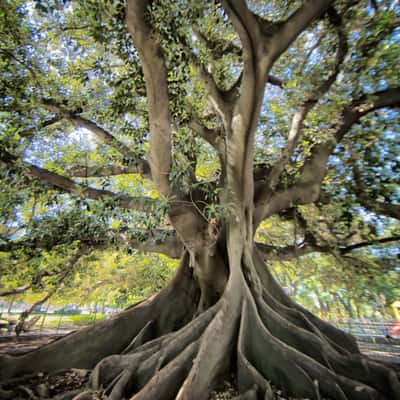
(52, 321)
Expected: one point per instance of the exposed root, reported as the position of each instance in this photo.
(217, 344)
(142, 337)
(254, 329)
(248, 376)
(171, 309)
(302, 362)
(166, 383)
(340, 339)
(290, 369)
(129, 373)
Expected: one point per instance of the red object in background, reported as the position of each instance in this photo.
(395, 330)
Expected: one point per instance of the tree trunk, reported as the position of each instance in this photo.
(165, 348)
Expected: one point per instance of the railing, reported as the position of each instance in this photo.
(367, 329)
(375, 338)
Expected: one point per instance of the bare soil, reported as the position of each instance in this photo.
(14, 345)
(63, 385)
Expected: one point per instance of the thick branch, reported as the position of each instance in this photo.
(287, 252)
(360, 245)
(309, 103)
(159, 241)
(17, 290)
(296, 24)
(307, 188)
(106, 137)
(212, 136)
(215, 94)
(314, 168)
(290, 252)
(220, 47)
(144, 204)
(247, 107)
(381, 207)
(169, 246)
(155, 75)
(274, 80)
(101, 171)
(245, 23)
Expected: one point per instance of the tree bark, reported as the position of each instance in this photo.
(165, 348)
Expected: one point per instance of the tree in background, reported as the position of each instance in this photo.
(108, 278)
(338, 289)
(179, 128)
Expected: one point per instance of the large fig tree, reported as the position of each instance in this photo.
(180, 128)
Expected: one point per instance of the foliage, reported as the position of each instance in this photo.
(79, 56)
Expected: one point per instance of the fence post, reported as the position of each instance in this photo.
(44, 316)
(59, 322)
(10, 305)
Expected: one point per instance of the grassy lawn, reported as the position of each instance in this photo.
(54, 321)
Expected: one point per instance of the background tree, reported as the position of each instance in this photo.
(219, 115)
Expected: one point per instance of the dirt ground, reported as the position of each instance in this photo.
(64, 385)
(14, 345)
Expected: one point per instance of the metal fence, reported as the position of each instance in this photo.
(374, 338)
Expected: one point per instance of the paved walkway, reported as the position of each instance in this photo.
(381, 351)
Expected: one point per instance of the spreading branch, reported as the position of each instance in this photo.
(309, 103)
(14, 291)
(168, 245)
(216, 96)
(291, 252)
(212, 136)
(307, 188)
(379, 207)
(155, 75)
(245, 22)
(144, 204)
(247, 106)
(374, 242)
(101, 171)
(270, 252)
(300, 20)
(157, 241)
(106, 137)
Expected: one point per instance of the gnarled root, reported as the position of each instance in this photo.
(172, 308)
(130, 373)
(283, 345)
(255, 330)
